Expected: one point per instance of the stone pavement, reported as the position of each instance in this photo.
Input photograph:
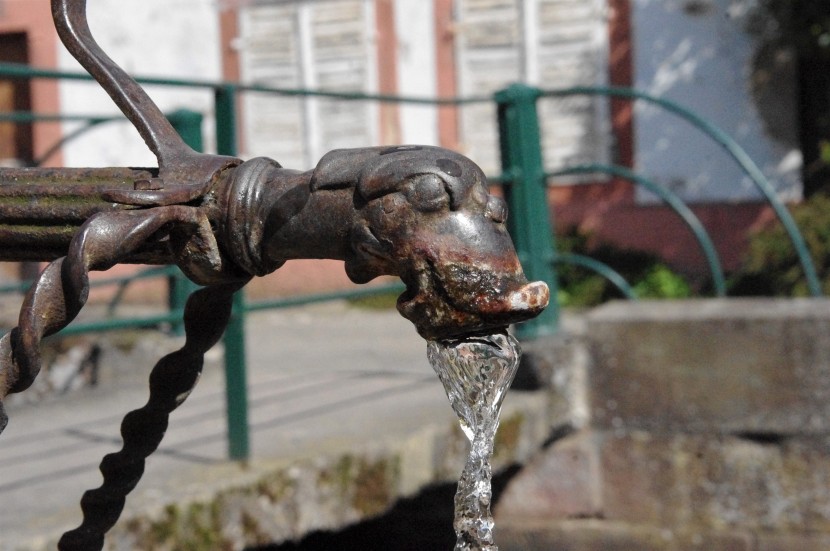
(346, 417)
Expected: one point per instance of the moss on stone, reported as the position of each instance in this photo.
(343, 472)
(252, 531)
(274, 486)
(374, 483)
(195, 527)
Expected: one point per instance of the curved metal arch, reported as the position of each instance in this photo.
(735, 151)
(671, 199)
(601, 268)
(26, 117)
(58, 145)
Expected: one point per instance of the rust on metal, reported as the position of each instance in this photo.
(417, 212)
(41, 210)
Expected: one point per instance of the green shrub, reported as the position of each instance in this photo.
(645, 273)
(661, 282)
(771, 266)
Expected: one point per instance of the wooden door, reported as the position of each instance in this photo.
(15, 139)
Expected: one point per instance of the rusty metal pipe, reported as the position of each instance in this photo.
(41, 209)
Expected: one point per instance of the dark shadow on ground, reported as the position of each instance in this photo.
(414, 524)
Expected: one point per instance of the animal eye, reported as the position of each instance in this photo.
(426, 193)
(497, 210)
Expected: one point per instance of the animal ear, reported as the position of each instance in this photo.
(341, 168)
(393, 166)
(366, 258)
(374, 171)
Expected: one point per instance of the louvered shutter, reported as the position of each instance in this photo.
(343, 55)
(489, 58)
(572, 51)
(270, 56)
(549, 43)
(320, 45)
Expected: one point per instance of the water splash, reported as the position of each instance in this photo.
(476, 374)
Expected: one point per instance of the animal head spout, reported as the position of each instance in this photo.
(425, 214)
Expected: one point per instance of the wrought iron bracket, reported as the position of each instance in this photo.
(421, 213)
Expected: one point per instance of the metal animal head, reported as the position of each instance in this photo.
(425, 214)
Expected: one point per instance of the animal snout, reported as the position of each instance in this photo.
(531, 298)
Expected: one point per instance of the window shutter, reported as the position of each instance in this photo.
(270, 56)
(549, 43)
(489, 58)
(318, 45)
(343, 53)
(573, 52)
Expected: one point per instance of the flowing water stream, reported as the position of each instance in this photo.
(476, 373)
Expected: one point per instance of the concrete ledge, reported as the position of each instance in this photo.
(731, 365)
(593, 535)
(266, 502)
(686, 481)
(707, 427)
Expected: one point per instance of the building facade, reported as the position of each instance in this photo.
(422, 49)
(695, 52)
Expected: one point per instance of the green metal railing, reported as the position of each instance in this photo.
(91, 121)
(519, 130)
(521, 156)
(524, 179)
(732, 148)
(670, 198)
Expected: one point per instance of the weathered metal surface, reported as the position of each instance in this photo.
(421, 213)
(186, 174)
(42, 209)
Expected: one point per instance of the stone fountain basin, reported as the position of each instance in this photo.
(346, 417)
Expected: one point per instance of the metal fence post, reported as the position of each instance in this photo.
(526, 194)
(236, 388)
(189, 126)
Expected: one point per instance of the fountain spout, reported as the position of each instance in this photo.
(421, 213)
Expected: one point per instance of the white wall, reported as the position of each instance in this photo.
(698, 54)
(165, 38)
